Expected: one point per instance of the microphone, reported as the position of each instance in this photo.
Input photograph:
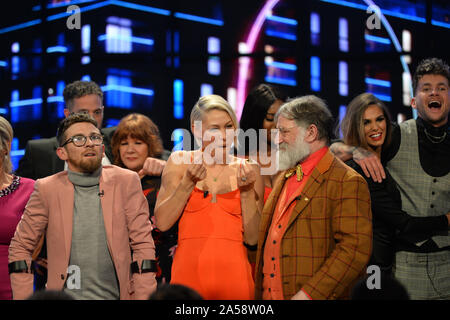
(205, 194)
(102, 193)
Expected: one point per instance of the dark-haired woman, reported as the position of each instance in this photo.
(260, 107)
(367, 124)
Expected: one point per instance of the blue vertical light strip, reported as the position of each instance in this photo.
(168, 48)
(119, 91)
(213, 45)
(126, 97)
(206, 89)
(15, 47)
(176, 49)
(86, 38)
(61, 62)
(37, 45)
(112, 97)
(178, 109)
(343, 78)
(59, 92)
(343, 34)
(177, 138)
(15, 65)
(15, 144)
(15, 153)
(60, 43)
(85, 60)
(342, 112)
(168, 41)
(315, 28)
(37, 108)
(14, 111)
(176, 42)
(315, 73)
(214, 66)
(315, 22)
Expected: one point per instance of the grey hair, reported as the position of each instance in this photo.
(6, 136)
(308, 110)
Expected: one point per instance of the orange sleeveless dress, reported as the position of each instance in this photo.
(211, 257)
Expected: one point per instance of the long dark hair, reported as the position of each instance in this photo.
(353, 126)
(256, 105)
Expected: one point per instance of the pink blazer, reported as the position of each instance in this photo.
(127, 225)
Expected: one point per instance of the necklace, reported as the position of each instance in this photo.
(216, 177)
(434, 139)
(9, 189)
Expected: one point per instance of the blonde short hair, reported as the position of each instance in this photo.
(6, 136)
(212, 102)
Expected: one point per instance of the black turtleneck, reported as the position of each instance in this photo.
(434, 154)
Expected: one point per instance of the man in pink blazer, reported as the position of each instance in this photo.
(96, 220)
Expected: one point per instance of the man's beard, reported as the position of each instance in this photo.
(87, 165)
(290, 155)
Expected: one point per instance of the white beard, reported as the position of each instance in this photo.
(290, 155)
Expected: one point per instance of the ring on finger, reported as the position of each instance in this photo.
(244, 179)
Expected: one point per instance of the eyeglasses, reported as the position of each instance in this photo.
(80, 140)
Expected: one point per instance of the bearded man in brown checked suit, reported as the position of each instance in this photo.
(315, 236)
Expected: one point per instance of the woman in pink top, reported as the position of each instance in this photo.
(14, 194)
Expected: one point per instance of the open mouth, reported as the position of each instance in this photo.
(434, 104)
(90, 154)
(376, 136)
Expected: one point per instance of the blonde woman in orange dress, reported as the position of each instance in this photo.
(217, 199)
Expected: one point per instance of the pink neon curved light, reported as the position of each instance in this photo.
(244, 63)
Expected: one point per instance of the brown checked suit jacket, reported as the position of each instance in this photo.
(328, 240)
(127, 226)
